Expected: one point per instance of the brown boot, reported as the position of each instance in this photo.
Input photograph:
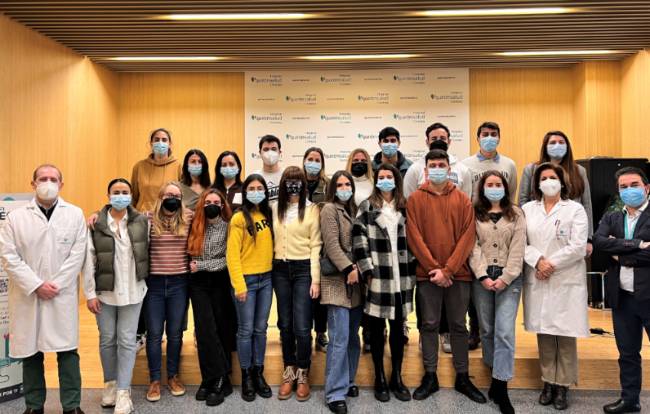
(153, 394)
(303, 391)
(288, 381)
(175, 386)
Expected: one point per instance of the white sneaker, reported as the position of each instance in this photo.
(446, 343)
(140, 343)
(123, 405)
(109, 394)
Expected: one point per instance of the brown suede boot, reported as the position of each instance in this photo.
(288, 381)
(303, 392)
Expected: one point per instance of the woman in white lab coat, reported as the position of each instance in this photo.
(555, 287)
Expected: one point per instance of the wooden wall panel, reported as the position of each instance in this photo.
(635, 105)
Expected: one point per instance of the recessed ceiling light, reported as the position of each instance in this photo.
(515, 11)
(557, 52)
(359, 57)
(237, 16)
(166, 58)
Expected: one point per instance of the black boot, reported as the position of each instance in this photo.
(247, 386)
(381, 386)
(215, 394)
(428, 386)
(397, 386)
(561, 400)
(499, 393)
(547, 395)
(261, 387)
(203, 390)
(464, 386)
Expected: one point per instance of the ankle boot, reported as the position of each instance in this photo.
(547, 394)
(247, 386)
(259, 382)
(499, 391)
(561, 400)
(215, 394)
(464, 386)
(397, 386)
(428, 386)
(381, 386)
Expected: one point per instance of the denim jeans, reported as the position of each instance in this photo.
(291, 282)
(497, 313)
(343, 351)
(117, 348)
(253, 320)
(165, 309)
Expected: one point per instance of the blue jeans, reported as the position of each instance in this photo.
(343, 351)
(497, 313)
(253, 319)
(291, 282)
(165, 309)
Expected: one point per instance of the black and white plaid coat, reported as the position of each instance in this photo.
(373, 253)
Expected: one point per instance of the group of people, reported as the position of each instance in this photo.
(364, 247)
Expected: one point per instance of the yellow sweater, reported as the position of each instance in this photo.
(147, 178)
(245, 255)
(299, 240)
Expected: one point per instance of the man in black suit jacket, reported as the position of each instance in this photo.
(624, 236)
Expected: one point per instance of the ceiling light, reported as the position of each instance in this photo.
(166, 58)
(517, 11)
(359, 57)
(237, 16)
(557, 53)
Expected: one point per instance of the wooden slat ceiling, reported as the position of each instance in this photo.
(103, 29)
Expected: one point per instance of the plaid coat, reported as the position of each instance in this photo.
(373, 253)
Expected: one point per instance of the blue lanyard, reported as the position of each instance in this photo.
(629, 233)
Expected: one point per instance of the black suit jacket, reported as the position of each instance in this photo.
(628, 252)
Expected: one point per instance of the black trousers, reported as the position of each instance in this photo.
(631, 318)
(395, 339)
(319, 313)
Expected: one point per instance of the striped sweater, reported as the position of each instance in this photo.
(168, 254)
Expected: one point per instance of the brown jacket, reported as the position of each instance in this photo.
(440, 230)
(334, 220)
(147, 178)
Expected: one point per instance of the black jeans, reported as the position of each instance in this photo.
(212, 305)
(291, 283)
(395, 338)
(631, 318)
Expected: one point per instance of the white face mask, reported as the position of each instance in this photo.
(270, 157)
(47, 191)
(550, 187)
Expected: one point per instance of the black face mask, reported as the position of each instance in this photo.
(212, 211)
(438, 144)
(171, 204)
(359, 169)
(294, 188)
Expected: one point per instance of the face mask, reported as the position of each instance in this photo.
(359, 169)
(212, 211)
(195, 169)
(633, 196)
(550, 187)
(386, 185)
(312, 167)
(344, 195)
(229, 172)
(160, 148)
(494, 194)
(294, 188)
(120, 201)
(389, 149)
(439, 144)
(556, 151)
(255, 197)
(489, 144)
(438, 175)
(47, 191)
(171, 204)
(270, 157)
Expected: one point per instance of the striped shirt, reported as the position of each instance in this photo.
(168, 254)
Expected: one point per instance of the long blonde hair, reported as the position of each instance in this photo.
(348, 167)
(178, 225)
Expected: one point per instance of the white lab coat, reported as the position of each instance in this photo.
(558, 305)
(33, 251)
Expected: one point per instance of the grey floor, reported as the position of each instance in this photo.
(444, 401)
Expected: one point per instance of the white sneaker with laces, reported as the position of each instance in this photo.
(123, 405)
(446, 343)
(109, 394)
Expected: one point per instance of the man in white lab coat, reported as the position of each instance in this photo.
(42, 250)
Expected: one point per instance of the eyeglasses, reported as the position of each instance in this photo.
(168, 195)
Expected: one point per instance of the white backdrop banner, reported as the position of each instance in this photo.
(343, 110)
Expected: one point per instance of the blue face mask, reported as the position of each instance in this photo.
(120, 201)
(160, 148)
(556, 151)
(389, 149)
(494, 194)
(386, 185)
(344, 195)
(312, 167)
(489, 144)
(195, 169)
(229, 172)
(633, 196)
(255, 197)
(438, 175)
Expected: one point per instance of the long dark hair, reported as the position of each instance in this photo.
(204, 178)
(247, 207)
(574, 182)
(559, 171)
(321, 175)
(219, 180)
(350, 206)
(376, 199)
(292, 173)
(169, 135)
(482, 205)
